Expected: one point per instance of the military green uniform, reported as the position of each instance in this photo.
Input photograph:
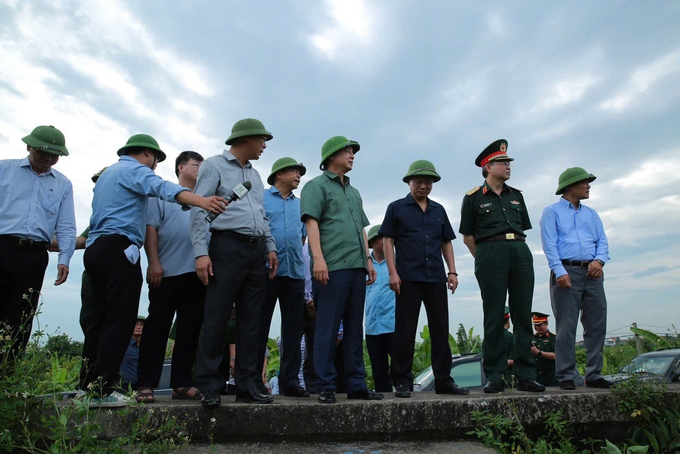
(503, 265)
(509, 342)
(545, 369)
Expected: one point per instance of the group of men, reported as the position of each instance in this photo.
(241, 245)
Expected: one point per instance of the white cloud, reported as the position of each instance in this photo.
(641, 80)
(496, 24)
(349, 27)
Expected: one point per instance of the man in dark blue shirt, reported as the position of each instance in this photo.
(421, 233)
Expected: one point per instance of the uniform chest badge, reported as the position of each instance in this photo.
(485, 205)
(514, 202)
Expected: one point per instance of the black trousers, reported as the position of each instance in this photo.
(291, 296)
(184, 295)
(406, 323)
(380, 350)
(239, 276)
(116, 287)
(308, 367)
(22, 269)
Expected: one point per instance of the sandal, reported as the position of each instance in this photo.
(145, 396)
(187, 392)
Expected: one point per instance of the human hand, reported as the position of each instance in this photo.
(594, 269)
(214, 204)
(452, 283)
(321, 270)
(62, 274)
(372, 274)
(311, 310)
(54, 246)
(395, 283)
(564, 281)
(154, 275)
(273, 262)
(534, 350)
(204, 268)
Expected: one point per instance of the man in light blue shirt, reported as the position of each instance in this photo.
(117, 229)
(576, 247)
(174, 288)
(36, 202)
(380, 307)
(282, 208)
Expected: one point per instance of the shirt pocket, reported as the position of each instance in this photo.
(50, 202)
(487, 215)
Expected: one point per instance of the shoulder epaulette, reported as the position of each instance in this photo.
(473, 190)
(514, 189)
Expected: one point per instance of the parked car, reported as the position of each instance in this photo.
(662, 365)
(466, 371)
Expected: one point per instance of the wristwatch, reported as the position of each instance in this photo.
(540, 353)
(601, 262)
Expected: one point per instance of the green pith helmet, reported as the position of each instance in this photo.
(334, 144)
(285, 163)
(96, 176)
(421, 168)
(143, 141)
(248, 127)
(573, 175)
(373, 232)
(47, 138)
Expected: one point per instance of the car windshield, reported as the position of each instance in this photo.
(657, 365)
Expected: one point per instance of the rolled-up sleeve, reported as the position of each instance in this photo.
(145, 181)
(66, 227)
(549, 237)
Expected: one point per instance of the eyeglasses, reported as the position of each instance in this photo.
(195, 164)
(505, 163)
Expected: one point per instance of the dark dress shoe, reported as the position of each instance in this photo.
(453, 389)
(402, 391)
(531, 386)
(211, 399)
(493, 387)
(567, 385)
(261, 387)
(327, 396)
(365, 394)
(601, 383)
(296, 392)
(254, 396)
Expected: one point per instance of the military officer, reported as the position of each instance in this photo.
(37, 201)
(493, 220)
(543, 349)
(509, 340)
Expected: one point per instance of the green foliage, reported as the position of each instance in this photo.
(34, 418)
(655, 415)
(506, 434)
(654, 339)
(63, 345)
(467, 342)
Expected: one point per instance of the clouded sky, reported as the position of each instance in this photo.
(589, 84)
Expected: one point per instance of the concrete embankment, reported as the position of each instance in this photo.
(425, 416)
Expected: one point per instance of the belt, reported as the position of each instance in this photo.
(581, 263)
(249, 240)
(505, 237)
(23, 242)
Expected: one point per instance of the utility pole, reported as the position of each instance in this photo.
(638, 341)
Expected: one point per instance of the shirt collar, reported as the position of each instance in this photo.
(230, 157)
(333, 176)
(486, 188)
(27, 163)
(567, 204)
(411, 201)
(275, 190)
(374, 259)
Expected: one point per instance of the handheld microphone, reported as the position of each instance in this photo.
(237, 193)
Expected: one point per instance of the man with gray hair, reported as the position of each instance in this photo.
(576, 247)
